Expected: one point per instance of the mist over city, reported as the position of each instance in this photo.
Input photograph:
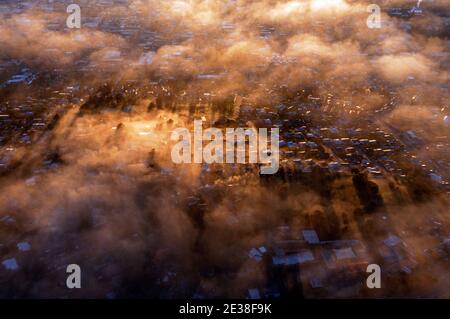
(87, 171)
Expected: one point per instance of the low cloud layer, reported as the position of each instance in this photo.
(91, 190)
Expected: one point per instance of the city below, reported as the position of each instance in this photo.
(87, 176)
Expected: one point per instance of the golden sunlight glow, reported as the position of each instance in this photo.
(319, 5)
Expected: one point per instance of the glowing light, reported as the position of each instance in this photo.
(180, 7)
(321, 5)
(287, 9)
(292, 6)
